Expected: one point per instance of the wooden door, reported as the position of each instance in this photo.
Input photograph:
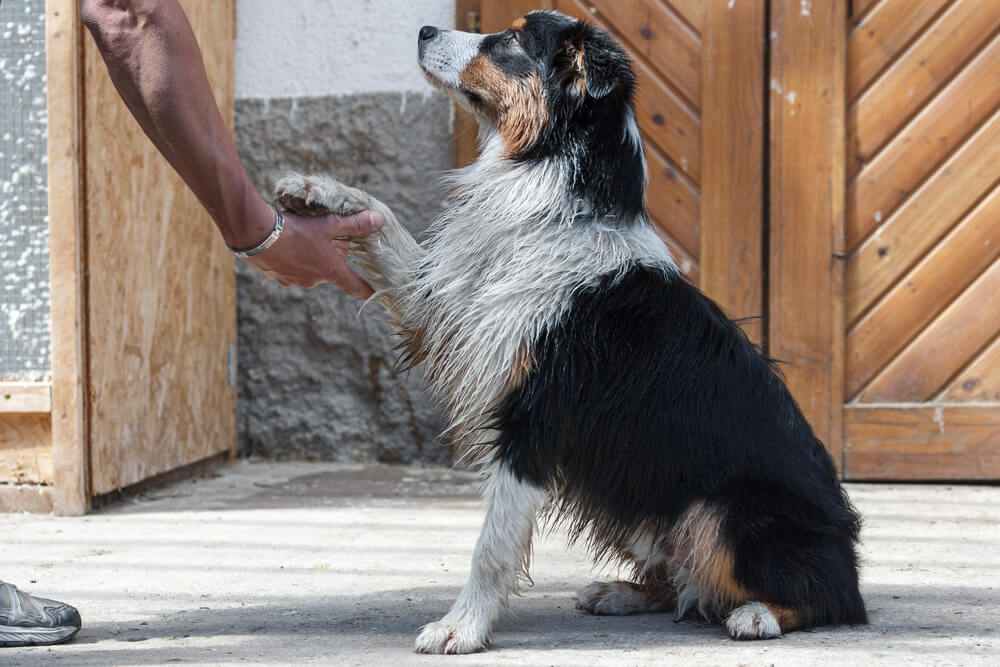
(160, 290)
(922, 234)
(846, 188)
(700, 109)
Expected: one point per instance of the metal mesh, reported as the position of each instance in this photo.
(24, 222)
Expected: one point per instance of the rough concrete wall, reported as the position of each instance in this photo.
(342, 47)
(316, 379)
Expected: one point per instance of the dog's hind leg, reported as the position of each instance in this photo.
(654, 591)
(762, 620)
(501, 557)
(620, 598)
(385, 259)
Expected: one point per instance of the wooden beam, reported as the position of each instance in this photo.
(70, 436)
(33, 498)
(922, 443)
(25, 397)
(465, 129)
(807, 112)
(732, 139)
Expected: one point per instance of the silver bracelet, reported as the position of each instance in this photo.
(279, 224)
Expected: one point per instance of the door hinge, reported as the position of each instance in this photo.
(472, 21)
(231, 365)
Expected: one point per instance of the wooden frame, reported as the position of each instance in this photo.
(66, 235)
(732, 148)
(807, 173)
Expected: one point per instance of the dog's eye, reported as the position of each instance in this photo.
(511, 39)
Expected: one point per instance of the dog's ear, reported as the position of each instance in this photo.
(596, 64)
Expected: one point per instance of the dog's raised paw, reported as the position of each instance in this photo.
(319, 195)
(752, 621)
(612, 598)
(451, 638)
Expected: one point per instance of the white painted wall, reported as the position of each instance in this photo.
(298, 48)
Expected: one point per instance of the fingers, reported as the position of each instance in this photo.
(352, 226)
(349, 281)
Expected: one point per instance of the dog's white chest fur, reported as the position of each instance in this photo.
(501, 266)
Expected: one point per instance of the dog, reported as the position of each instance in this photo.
(582, 374)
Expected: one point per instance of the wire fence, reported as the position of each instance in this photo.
(24, 222)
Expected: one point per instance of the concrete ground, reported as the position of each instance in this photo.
(339, 564)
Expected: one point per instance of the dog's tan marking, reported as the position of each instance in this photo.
(524, 363)
(698, 546)
(579, 68)
(518, 24)
(515, 106)
(788, 619)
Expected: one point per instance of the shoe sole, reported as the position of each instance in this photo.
(12, 635)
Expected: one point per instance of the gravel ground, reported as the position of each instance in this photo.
(341, 564)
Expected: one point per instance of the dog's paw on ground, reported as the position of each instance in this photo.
(451, 638)
(752, 621)
(319, 195)
(612, 598)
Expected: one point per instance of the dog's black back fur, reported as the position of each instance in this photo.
(706, 418)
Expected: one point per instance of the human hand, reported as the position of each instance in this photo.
(312, 250)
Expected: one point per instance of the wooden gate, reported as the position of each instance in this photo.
(922, 231)
(833, 168)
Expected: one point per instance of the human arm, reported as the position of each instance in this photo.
(155, 64)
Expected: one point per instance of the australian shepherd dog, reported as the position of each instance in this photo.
(582, 374)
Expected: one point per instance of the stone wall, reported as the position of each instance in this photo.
(316, 377)
(333, 87)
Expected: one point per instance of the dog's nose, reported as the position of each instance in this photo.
(427, 33)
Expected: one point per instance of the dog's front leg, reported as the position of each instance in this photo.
(385, 259)
(500, 558)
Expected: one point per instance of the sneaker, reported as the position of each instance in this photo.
(29, 621)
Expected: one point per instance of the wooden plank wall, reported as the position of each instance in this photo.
(161, 288)
(808, 54)
(923, 264)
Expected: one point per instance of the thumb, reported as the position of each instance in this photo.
(350, 226)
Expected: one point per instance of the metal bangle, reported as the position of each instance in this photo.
(279, 224)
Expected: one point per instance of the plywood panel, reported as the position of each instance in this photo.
(731, 254)
(655, 33)
(939, 52)
(66, 258)
(923, 293)
(941, 350)
(980, 381)
(161, 287)
(922, 443)
(25, 449)
(885, 183)
(895, 247)
(808, 59)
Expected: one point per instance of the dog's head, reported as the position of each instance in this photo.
(543, 82)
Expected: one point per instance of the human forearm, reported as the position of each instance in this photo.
(155, 63)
